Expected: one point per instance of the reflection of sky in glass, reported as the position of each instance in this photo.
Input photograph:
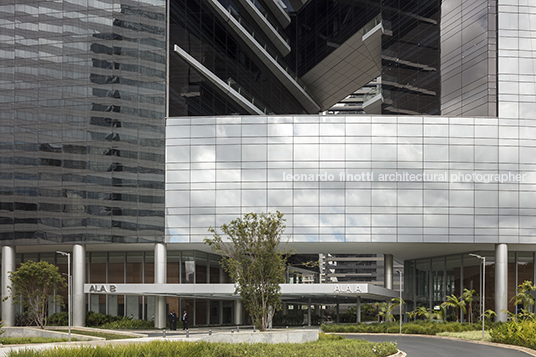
(313, 169)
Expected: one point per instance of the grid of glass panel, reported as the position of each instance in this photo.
(314, 169)
(453, 273)
(517, 59)
(82, 91)
(469, 58)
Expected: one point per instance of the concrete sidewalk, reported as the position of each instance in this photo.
(173, 336)
(195, 334)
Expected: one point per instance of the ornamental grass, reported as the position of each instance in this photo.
(326, 347)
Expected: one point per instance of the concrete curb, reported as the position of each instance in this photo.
(92, 329)
(272, 336)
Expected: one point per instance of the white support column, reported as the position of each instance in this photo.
(388, 271)
(238, 312)
(8, 265)
(358, 309)
(309, 312)
(160, 273)
(79, 278)
(501, 281)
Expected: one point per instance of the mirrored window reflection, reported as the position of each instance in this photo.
(288, 175)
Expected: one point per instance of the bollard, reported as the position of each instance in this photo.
(287, 327)
(210, 332)
(237, 328)
(187, 333)
(254, 328)
(164, 333)
(232, 331)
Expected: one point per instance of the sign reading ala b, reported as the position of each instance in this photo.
(102, 288)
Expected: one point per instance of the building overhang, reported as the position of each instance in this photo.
(352, 65)
(323, 292)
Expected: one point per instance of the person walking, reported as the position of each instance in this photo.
(184, 320)
(172, 317)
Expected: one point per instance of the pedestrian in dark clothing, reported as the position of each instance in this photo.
(184, 320)
(172, 317)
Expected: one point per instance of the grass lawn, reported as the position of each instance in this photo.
(28, 340)
(468, 335)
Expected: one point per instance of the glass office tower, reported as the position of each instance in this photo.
(146, 121)
(83, 115)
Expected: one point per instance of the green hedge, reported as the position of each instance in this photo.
(517, 332)
(418, 327)
(324, 348)
(94, 319)
(27, 340)
(129, 324)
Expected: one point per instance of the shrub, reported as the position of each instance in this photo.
(516, 332)
(58, 319)
(95, 319)
(130, 324)
(417, 327)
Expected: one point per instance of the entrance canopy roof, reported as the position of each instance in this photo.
(317, 292)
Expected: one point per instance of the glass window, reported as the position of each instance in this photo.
(98, 267)
(149, 267)
(134, 267)
(201, 262)
(173, 267)
(116, 267)
(188, 267)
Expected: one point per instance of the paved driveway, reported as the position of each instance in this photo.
(416, 346)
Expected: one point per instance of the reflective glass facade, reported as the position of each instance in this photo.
(451, 274)
(198, 29)
(83, 93)
(517, 59)
(354, 178)
(469, 58)
(410, 46)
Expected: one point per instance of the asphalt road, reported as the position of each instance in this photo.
(416, 346)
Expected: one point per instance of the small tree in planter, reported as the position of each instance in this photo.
(255, 262)
(33, 285)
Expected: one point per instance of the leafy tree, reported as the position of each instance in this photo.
(524, 295)
(489, 313)
(468, 296)
(252, 257)
(384, 311)
(457, 303)
(422, 311)
(33, 285)
(396, 302)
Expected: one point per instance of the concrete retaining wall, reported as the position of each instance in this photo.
(37, 332)
(274, 336)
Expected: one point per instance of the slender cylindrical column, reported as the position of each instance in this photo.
(238, 312)
(358, 309)
(501, 281)
(309, 312)
(388, 271)
(8, 265)
(79, 279)
(160, 273)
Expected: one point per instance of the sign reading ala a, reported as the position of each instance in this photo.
(346, 288)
